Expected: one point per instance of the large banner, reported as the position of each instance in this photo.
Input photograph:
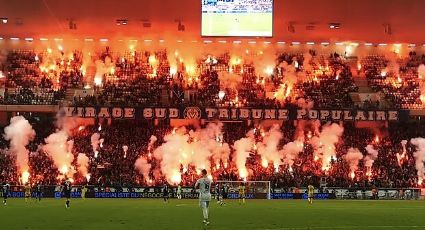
(235, 114)
(189, 193)
(382, 193)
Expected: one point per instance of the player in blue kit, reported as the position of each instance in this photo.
(165, 193)
(5, 191)
(67, 187)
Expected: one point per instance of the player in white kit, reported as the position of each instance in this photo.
(204, 185)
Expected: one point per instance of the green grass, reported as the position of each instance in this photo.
(221, 24)
(129, 214)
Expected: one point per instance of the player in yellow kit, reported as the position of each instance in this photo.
(27, 189)
(241, 193)
(310, 191)
(83, 192)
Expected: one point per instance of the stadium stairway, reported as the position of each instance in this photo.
(358, 77)
(362, 84)
(69, 94)
(365, 92)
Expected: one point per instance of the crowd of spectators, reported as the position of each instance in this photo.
(40, 78)
(331, 87)
(397, 78)
(148, 78)
(112, 167)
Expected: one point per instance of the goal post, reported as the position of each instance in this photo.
(253, 189)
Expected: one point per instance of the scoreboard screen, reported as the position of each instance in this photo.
(239, 18)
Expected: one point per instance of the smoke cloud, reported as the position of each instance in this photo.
(20, 133)
(95, 141)
(125, 149)
(371, 156)
(243, 148)
(183, 148)
(419, 156)
(143, 167)
(353, 158)
(290, 152)
(103, 68)
(421, 75)
(324, 144)
(59, 148)
(289, 77)
(268, 148)
(152, 141)
(83, 164)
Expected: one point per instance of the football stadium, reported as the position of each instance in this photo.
(212, 114)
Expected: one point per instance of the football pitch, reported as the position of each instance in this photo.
(129, 214)
(214, 24)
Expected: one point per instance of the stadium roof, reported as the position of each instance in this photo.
(362, 20)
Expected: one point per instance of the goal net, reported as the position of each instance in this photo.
(253, 189)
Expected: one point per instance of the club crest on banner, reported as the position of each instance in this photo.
(192, 113)
(236, 114)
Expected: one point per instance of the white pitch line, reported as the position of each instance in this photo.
(344, 227)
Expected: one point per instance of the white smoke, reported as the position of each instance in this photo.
(95, 141)
(392, 67)
(403, 144)
(125, 149)
(268, 148)
(371, 156)
(143, 167)
(20, 133)
(353, 158)
(172, 154)
(290, 152)
(421, 75)
(101, 141)
(152, 141)
(419, 155)
(324, 144)
(289, 78)
(211, 140)
(103, 68)
(83, 164)
(183, 148)
(401, 157)
(243, 148)
(59, 148)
